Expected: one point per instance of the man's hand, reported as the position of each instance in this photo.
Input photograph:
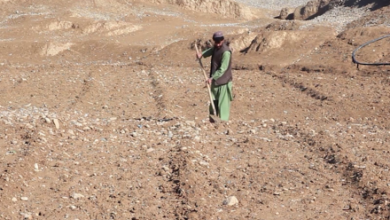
(209, 81)
(198, 56)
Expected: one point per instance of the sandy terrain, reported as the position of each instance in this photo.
(104, 115)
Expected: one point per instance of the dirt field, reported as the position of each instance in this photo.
(103, 114)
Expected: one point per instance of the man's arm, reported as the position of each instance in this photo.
(207, 52)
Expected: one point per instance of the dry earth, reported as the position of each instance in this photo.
(103, 114)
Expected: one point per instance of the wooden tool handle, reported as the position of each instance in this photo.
(206, 78)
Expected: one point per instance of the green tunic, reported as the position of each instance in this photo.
(223, 94)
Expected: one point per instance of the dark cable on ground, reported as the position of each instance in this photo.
(363, 45)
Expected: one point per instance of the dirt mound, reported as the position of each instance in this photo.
(111, 28)
(284, 40)
(311, 9)
(54, 48)
(224, 8)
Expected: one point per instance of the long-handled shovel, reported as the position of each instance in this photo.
(208, 86)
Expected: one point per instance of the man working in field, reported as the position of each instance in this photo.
(221, 75)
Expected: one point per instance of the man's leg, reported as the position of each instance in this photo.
(224, 103)
(214, 95)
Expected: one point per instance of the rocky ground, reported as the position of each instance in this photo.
(103, 113)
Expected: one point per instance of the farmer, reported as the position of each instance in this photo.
(220, 75)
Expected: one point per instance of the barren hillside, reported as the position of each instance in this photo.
(104, 115)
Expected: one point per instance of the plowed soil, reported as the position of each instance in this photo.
(104, 115)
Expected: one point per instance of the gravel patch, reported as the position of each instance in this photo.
(338, 17)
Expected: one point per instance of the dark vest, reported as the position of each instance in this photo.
(216, 64)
